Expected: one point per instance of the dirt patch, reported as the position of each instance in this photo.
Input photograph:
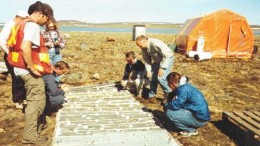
(228, 84)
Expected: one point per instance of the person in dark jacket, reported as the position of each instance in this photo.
(187, 109)
(134, 73)
(55, 93)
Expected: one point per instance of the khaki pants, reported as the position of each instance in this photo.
(36, 101)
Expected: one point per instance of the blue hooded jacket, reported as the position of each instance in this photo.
(190, 98)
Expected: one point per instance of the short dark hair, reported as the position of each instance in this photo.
(44, 8)
(130, 54)
(62, 65)
(173, 77)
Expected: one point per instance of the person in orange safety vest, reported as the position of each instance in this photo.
(40, 55)
(30, 59)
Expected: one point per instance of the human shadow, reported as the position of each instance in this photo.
(161, 120)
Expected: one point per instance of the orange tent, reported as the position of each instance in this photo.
(226, 34)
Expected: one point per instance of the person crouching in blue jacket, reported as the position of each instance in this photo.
(187, 109)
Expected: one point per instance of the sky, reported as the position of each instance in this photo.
(105, 11)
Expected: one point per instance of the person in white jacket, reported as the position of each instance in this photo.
(18, 90)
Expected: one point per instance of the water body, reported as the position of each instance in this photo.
(129, 30)
(123, 30)
(256, 31)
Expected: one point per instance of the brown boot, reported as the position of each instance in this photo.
(151, 100)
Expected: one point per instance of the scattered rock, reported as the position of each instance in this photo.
(255, 78)
(109, 39)
(73, 77)
(66, 35)
(8, 114)
(84, 47)
(3, 68)
(2, 130)
(115, 63)
(3, 77)
(96, 76)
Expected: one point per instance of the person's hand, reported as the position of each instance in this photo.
(149, 74)
(164, 100)
(133, 77)
(56, 43)
(48, 44)
(124, 83)
(36, 72)
(160, 72)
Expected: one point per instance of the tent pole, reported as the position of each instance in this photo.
(230, 30)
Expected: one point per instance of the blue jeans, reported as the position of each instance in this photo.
(54, 58)
(161, 80)
(183, 119)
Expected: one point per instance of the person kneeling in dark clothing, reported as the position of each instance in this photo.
(55, 95)
(134, 73)
(54, 92)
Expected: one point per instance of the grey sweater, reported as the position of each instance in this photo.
(156, 52)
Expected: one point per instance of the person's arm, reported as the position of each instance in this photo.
(31, 38)
(148, 62)
(61, 42)
(27, 56)
(165, 52)
(146, 57)
(178, 102)
(127, 72)
(4, 36)
(3, 46)
(140, 69)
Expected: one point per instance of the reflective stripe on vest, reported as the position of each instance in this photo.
(38, 67)
(12, 38)
(44, 57)
(15, 56)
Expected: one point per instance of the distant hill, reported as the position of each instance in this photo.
(118, 24)
(255, 26)
(125, 24)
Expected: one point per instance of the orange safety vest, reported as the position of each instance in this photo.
(40, 56)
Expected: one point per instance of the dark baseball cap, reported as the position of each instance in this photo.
(44, 8)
